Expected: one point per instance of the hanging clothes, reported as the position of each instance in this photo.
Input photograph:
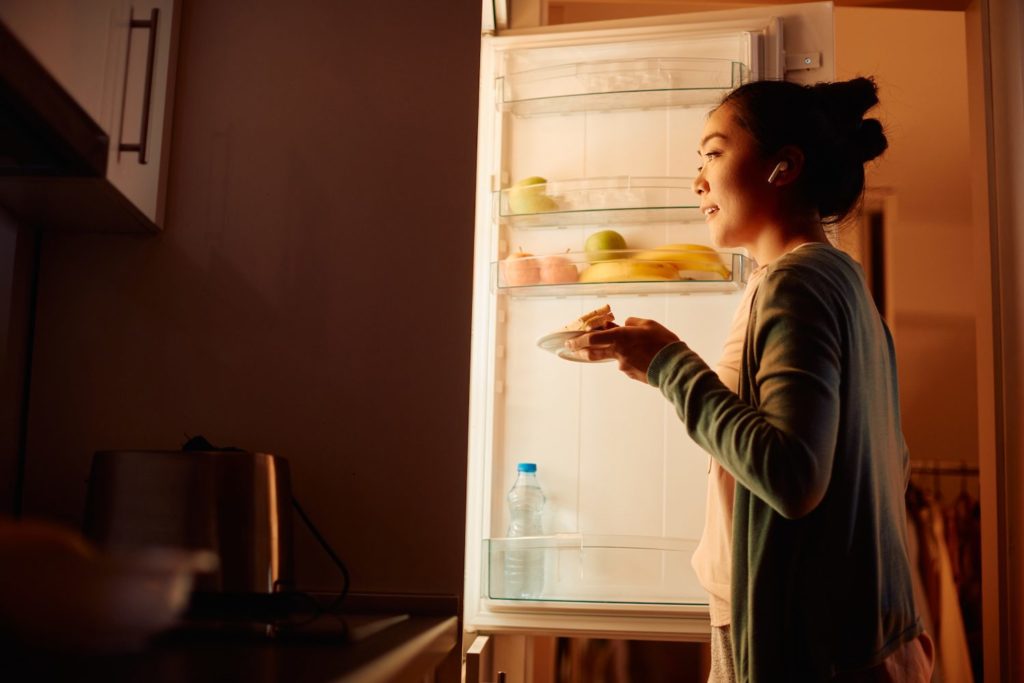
(967, 519)
(923, 606)
(920, 511)
(939, 587)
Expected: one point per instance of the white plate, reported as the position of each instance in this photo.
(555, 343)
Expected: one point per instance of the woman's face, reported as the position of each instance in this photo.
(732, 182)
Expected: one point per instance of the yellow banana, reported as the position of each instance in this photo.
(628, 270)
(687, 257)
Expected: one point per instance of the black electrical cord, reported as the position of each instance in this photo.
(330, 551)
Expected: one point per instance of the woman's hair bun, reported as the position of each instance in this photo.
(869, 139)
(848, 99)
(844, 104)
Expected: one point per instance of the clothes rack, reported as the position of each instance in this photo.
(940, 467)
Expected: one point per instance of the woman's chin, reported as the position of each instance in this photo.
(720, 239)
(724, 237)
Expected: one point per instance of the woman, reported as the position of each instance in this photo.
(820, 581)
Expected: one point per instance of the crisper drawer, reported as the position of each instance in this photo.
(594, 569)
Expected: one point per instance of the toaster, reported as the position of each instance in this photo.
(235, 503)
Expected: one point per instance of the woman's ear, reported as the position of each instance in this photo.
(789, 164)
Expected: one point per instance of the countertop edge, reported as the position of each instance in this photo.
(415, 656)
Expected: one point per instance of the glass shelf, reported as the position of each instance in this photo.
(618, 84)
(583, 568)
(597, 201)
(622, 272)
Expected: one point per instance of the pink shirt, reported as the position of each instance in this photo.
(712, 560)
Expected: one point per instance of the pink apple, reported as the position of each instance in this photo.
(557, 269)
(520, 269)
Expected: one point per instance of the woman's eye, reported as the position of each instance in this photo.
(707, 157)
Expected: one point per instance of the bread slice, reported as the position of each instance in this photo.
(594, 320)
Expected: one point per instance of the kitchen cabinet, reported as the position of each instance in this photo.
(115, 59)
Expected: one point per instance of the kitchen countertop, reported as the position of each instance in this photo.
(377, 639)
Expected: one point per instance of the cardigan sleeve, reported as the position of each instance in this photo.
(781, 445)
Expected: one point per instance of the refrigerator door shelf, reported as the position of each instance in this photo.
(634, 216)
(625, 274)
(587, 201)
(585, 572)
(617, 85)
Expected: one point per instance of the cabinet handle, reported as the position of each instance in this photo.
(149, 25)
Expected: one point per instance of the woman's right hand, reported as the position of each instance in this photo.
(633, 344)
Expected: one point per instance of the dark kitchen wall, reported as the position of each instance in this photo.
(17, 251)
(310, 294)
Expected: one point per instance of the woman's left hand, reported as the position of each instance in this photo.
(633, 344)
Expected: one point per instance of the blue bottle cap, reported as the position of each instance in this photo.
(527, 467)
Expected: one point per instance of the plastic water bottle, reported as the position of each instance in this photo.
(524, 569)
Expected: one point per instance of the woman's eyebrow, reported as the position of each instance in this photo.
(711, 136)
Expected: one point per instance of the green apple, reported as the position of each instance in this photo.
(602, 245)
(527, 182)
(532, 203)
(528, 196)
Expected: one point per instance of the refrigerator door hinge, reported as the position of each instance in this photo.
(802, 61)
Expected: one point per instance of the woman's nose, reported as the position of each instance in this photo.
(700, 185)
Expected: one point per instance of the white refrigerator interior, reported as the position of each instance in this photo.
(607, 123)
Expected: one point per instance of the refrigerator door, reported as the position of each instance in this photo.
(584, 130)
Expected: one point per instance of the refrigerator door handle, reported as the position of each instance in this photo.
(479, 660)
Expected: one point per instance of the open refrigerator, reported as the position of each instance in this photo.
(605, 119)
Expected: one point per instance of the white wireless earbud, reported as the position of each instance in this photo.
(779, 168)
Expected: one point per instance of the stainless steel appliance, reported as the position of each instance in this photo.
(235, 503)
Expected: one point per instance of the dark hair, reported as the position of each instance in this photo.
(826, 122)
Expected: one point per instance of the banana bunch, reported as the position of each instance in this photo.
(691, 261)
(629, 270)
